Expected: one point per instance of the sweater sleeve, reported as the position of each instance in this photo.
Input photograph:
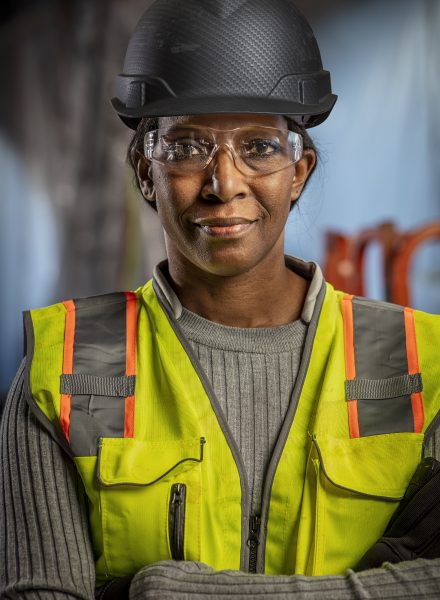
(182, 580)
(45, 549)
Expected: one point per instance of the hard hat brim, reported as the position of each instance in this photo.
(306, 114)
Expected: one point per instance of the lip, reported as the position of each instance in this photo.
(224, 227)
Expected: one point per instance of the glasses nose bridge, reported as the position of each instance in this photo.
(229, 144)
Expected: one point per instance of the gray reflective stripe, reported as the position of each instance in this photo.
(383, 386)
(390, 415)
(99, 355)
(377, 389)
(99, 386)
(100, 345)
(93, 417)
(379, 340)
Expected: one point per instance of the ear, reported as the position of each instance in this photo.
(303, 169)
(144, 170)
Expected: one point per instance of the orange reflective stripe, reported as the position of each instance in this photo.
(65, 415)
(353, 418)
(130, 359)
(350, 365)
(418, 411)
(413, 369)
(69, 339)
(347, 313)
(129, 417)
(411, 342)
(69, 336)
(131, 321)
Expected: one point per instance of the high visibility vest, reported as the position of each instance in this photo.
(118, 386)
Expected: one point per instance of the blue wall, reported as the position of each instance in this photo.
(29, 255)
(380, 147)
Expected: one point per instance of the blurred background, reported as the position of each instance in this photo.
(73, 224)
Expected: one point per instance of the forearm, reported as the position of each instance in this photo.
(180, 581)
(45, 550)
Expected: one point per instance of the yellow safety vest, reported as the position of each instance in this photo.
(115, 382)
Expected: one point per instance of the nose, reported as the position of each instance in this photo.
(224, 181)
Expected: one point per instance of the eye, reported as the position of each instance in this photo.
(185, 149)
(261, 148)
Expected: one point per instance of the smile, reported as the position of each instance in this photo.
(225, 227)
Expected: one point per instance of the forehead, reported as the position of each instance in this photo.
(225, 121)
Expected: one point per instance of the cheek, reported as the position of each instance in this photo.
(275, 198)
(163, 185)
(174, 194)
(170, 202)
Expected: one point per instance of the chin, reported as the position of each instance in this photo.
(228, 263)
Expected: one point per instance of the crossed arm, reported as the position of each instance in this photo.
(46, 554)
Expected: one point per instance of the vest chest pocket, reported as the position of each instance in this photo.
(352, 489)
(149, 497)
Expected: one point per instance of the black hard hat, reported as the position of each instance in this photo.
(223, 56)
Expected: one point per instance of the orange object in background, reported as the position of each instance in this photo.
(407, 245)
(344, 264)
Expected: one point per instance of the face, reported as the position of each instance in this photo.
(220, 220)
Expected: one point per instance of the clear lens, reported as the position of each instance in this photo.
(179, 146)
(254, 149)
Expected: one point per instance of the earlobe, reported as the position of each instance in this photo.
(303, 169)
(296, 192)
(144, 170)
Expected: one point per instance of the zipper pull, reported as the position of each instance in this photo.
(255, 528)
(176, 500)
(176, 520)
(202, 443)
(253, 541)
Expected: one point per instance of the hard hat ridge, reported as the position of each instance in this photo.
(224, 9)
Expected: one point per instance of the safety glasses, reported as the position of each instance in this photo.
(255, 149)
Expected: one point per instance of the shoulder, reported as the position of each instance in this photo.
(47, 326)
(378, 307)
(396, 328)
(68, 341)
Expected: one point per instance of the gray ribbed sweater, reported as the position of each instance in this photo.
(45, 550)
(252, 374)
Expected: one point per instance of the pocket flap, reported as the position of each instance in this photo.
(127, 461)
(379, 466)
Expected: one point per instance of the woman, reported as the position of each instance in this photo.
(234, 412)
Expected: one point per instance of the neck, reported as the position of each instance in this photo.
(267, 295)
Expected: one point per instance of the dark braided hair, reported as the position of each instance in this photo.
(136, 145)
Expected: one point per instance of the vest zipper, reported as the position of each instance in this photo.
(176, 520)
(253, 541)
(286, 426)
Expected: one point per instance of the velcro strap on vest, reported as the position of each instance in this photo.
(376, 389)
(383, 383)
(79, 383)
